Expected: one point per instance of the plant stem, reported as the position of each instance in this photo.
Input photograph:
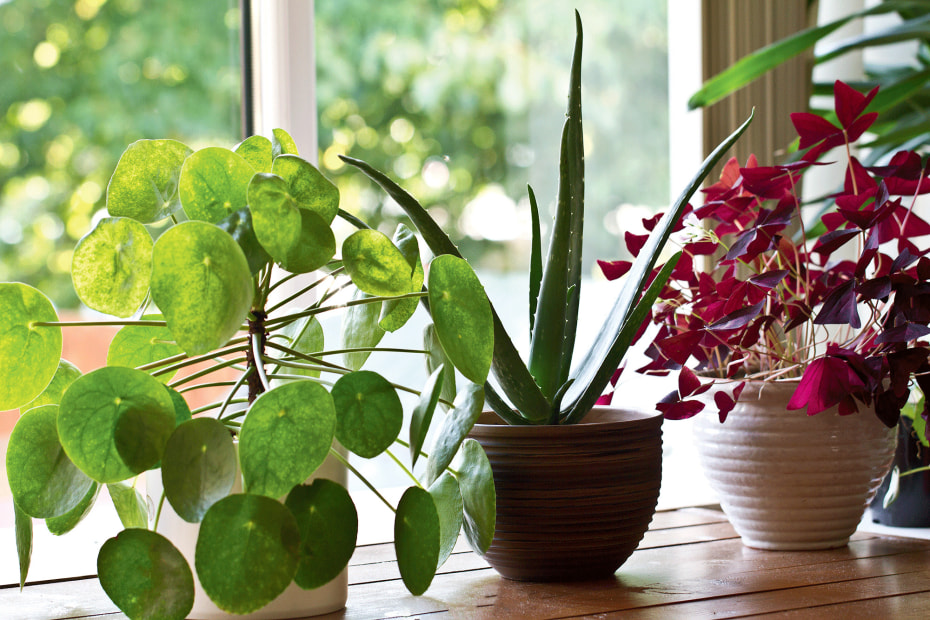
(190, 361)
(914, 471)
(199, 386)
(335, 453)
(215, 405)
(306, 289)
(96, 323)
(232, 392)
(207, 371)
(355, 302)
(283, 280)
(161, 503)
(403, 467)
(258, 364)
(258, 383)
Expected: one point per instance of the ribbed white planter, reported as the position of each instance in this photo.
(789, 481)
(294, 602)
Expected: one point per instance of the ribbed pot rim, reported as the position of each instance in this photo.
(599, 419)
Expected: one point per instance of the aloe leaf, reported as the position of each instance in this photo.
(509, 370)
(595, 361)
(915, 28)
(553, 339)
(535, 258)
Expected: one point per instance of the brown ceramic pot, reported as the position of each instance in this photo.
(573, 501)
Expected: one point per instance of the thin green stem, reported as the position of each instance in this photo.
(97, 323)
(235, 388)
(403, 467)
(215, 405)
(190, 361)
(306, 289)
(161, 503)
(355, 302)
(200, 386)
(335, 453)
(372, 350)
(283, 280)
(202, 373)
(309, 358)
(914, 471)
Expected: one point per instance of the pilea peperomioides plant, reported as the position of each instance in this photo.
(199, 295)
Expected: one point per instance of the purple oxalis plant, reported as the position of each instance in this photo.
(845, 309)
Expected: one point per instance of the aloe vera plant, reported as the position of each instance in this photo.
(546, 389)
(199, 295)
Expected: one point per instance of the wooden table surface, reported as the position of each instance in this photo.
(690, 564)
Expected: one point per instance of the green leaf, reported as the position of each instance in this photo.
(213, 184)
(239, 226)
(182, 413)
(51, 395)
(416, 539)
(423, 412)
(448, 500)
(146, 576)
(309, 189)
(257, 151)
(553, 338)
(63, 524)
(282, 143)
(396, 312)
(114, 423)
(455, 429)
(139, 345)
(43, 481)
(360, 330)
(285, 437)
(913, 28)
(435, 359)
(112, 266)
(462, 316)
(29, 354)
(370, 413)
(144, 185)
(328, 524)
(247, 552)
(536, 267)
(23, 525)
(304, 336)
(129, 504)
(202, 284)
(199, 467)
(376, 265)
(478, 495)
(298, 239)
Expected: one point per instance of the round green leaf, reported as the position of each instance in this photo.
(29, 354)
(416, 539)
(370, 413)
(213, 184)
(257, 151)
(112, 266)
(423, 412)
(51, 395)
(328, 524)
(182, 412)
(144, 185)
(199, 467)
(146, 576)
(309, 189)
(455, 428)
(282, 143)
(139, 345)
(239, 226)
(448, 499)
(114, 423)
(286, 435)
(202, 284)
(360, 330)
(375, 264)
(462, 315)
(247, 552)
(43, 481)
(478, 495)
(397, 312)
(63, 524)
(298, 239)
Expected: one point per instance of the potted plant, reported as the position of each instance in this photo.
(830, 318)
(903, 499)
(232, 227)
(576, 484)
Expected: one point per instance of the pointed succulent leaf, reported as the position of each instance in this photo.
(239, 226)
(43, 481)
(536, 267)
(130, 505)
(247, 552)
(308, 188)
(370, 413)
(396, 312)
(23, 525)
(448, 500)
(213, 184)
(144, 185)
(29, 354)
(51, 395)
(376, 265)
(112, 266)
(63, 524)
(462, 316)
(285, 437)
(416, 539)
(423, 412)
(360, 330)
(328, 524)
(199, 467)
(114, 423)
(282, 143)
(257, 151)
(146, 576)
(202, 284)
(455, 429)
(139, 345)
(478, 495)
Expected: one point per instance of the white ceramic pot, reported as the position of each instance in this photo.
(789, 481)
(294, 602)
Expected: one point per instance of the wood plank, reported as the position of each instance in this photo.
(905, 606)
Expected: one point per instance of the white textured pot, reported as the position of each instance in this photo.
(789, 481)
(294, 602)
